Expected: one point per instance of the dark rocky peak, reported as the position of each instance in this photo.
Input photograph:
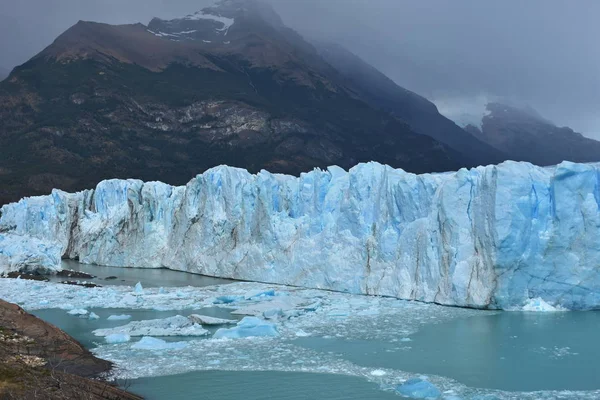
(523, 134)
(221, 23)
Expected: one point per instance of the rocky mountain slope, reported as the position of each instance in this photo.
(227, 85)
(418, 112)
(526, 136)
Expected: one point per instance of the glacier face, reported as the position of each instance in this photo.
(489, 237)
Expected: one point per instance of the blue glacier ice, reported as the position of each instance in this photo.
(418, 389)
(117, 338)
(248, 327)
(490, 237)
(151, 343)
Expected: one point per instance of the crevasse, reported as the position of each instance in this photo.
(489, 237)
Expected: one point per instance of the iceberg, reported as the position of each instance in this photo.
(117, 338)
(206, 320)
(121, 317)
(248, 327)
(418, 388)
(150, 343)
(172, 326)
(490, 237)
(78, 311)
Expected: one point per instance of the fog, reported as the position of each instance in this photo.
(459, 53)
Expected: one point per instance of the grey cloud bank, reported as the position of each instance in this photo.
(540, 52)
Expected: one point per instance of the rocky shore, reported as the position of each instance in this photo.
(39, 361)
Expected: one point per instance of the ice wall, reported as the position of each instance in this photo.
(492, 236)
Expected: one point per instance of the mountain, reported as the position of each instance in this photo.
(418, 112)
(524, 135)
(227, 85)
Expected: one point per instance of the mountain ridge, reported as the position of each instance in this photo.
(105, 101)
(527, 136)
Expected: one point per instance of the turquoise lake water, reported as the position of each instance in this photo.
(508, 351)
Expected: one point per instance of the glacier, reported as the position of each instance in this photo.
(490, 237)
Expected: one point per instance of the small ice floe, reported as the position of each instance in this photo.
(539, 305)
(138, 289)
(378, 372)
(121, 317)
(206, 320)
(418, 388)
(151, 343)
(248, 327)
(80, 312)
(172, 326)
(227, 299)
(93, 315)
(117, 338)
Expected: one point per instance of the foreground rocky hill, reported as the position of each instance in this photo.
(39, 361)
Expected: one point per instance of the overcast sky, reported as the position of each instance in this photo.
(459, 53)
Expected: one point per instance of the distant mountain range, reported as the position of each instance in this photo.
(230, 84)
(524, 135)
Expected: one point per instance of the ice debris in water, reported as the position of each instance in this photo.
(119, 317)
(254, 294)
(227, 299)
(139, 289)
(206, 320)
(78, 311)
(117, 338)
(151, 343)
(539, 305)
(418, 388)
(172, 326)
(248, 327)
(93, 315)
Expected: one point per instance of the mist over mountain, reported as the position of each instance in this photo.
(3, 73)
(455, 50)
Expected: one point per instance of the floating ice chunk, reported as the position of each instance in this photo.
(301, 333)
(93, 315)
(117, 338)
(44, 302)
(139, 289)
(274, 313)
(264, 293)
(378, 372)
(227, 299)
(539, 305)
(151, 343)
(172, 326)
(119, 317)
(78, 311)
(248, 327)
(206, 320)
(418, 388)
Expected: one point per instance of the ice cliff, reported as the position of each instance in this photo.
(491, 237)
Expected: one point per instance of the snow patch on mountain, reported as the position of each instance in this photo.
(203, 15)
